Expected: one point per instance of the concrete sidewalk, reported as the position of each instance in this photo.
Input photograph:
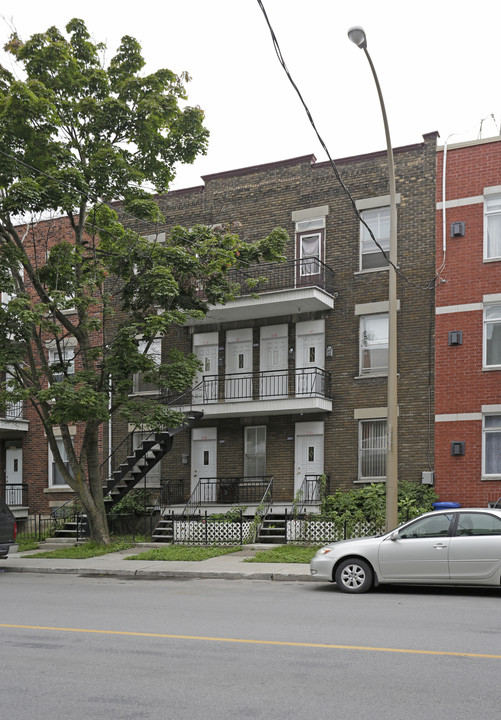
(227, 567)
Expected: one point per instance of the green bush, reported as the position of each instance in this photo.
(369, 502)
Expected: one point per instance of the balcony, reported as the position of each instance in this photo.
(284, 392)
(12, 420)
(276, 289)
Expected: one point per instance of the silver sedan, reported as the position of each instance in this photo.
(449, 547)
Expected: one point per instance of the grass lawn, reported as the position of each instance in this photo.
(82, 552)
(182, 552)
(285, 554)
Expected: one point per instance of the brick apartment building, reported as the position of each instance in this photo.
(33, 484)
(468, 323)
(294, 381)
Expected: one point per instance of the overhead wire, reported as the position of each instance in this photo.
(433, 283)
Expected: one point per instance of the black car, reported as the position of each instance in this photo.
(8, 529)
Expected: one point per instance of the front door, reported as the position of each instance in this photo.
(273, 362)
(14, 476)
(239, 364)
(205, 347)
(309, 463)
(310, 363)
(204, 462)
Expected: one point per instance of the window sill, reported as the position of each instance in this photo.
(490, 260)
(371, 270)
(58, 489)
(491, 478)
(489, 368)
(367, 481)
(368, 376)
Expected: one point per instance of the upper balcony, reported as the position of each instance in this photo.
(284, 392)
(12, 420)
(276, 289)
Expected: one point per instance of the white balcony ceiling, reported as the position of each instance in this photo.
(274, 304)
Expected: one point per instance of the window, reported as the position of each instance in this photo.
(492, 446)
(63, 362)
(429, 527)
(310, 234)
(372, 450)
(492, 335)
(492, 227)
(471, 524)
(371, 257)
(55, 477)
(255, 452)
(374, 344)
(155, 353)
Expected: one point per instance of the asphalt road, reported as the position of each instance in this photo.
(76, 648)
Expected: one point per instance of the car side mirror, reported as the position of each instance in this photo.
(395, 535)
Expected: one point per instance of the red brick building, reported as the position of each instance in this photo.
(468, 323)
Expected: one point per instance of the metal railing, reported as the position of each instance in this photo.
(311, 491)
(259, 385)
(15, 494)
(228, 490)
(270, 277)
(14, 411)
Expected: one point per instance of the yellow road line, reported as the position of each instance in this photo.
(327, 646)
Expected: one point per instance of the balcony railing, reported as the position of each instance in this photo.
(15, 494)
(271, 277)
(229, 490)
(260, 385)
(13, 411)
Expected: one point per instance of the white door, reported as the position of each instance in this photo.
(239, 364)
(14, 476)
(205, 346)
(204, 462)
(273, 362)
(310, 358)
(309, 461)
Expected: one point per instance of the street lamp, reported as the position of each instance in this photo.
(357, 36)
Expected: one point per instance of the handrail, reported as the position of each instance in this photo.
(263, 508)
(310, 492)
(223, 490)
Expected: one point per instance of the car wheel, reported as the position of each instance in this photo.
(354, 576)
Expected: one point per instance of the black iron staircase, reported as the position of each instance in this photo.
(130, 472)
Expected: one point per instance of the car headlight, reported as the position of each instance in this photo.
(325, 551)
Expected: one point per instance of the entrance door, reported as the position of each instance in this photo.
(205, 346)
(310, 358)
(239, 364)
(273, 362)
(14, 476)
(309, 463)
(204, 462)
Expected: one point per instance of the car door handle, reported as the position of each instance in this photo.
(440, 546)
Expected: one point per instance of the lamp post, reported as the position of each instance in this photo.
(357, 36)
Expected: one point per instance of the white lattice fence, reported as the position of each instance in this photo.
(324, 531)
(201, 533)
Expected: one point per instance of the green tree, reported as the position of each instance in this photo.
(75, 137)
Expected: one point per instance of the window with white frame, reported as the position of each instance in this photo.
(492, 227)
(56, 478)
(62, 361)
(255, 451)
(140, 385)
(372, 450)
(310, 238)
(374, 344)
(492, 446)
(492, 335)
(371, 256)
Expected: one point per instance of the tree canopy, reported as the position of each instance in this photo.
(86, 284)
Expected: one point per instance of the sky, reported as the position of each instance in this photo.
(436, 64)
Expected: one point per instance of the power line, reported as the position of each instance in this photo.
(433, 284)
